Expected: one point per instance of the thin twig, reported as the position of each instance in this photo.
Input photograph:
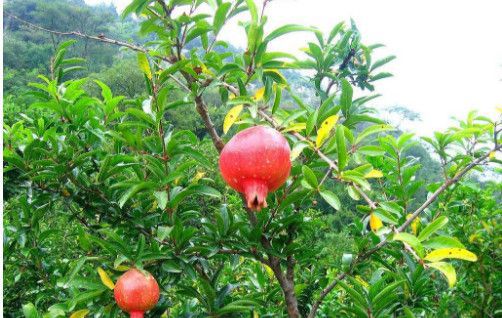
(414, 215)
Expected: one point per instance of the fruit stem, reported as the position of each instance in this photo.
(255, 192)
(136, 314)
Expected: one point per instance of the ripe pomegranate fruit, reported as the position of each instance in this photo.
(254, 162)
(136, 292)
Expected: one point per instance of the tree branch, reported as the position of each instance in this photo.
(414, 215)
(203, 112)
(98, 38)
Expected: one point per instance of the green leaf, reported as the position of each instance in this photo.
(382, 62)
(311, 121)
(134, 190)
(412, 241)
(277, 99)
(288, 28)
(341, 148)
(310, 177)
(331, 198)
(386, 216)
(372, 151)
(390, 289)
(447, 269)
(346, 97)
(30, 311)
(144, 65)
(106, 92)
(432, 227)
(196, 32)
(195, 189)
(163, 232)
(380, 76)
(220, 16)
(372, 130)
(253, 11)
(161, 197)
(335, 31)
(442, 242)
(294, 197)
(354, 294)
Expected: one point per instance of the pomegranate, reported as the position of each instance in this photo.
(136, 292)
(254, 162)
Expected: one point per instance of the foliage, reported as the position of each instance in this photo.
(97, 183)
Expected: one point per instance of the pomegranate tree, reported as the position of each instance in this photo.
(254, 162)
(136, 292)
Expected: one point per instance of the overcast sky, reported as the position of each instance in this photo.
(449, 53)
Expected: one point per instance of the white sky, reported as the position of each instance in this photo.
(449, 53)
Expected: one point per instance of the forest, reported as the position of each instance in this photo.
(121, 159)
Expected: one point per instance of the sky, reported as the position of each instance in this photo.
(449, 53)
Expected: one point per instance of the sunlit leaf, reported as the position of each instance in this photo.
(432, 227)
(412, 241)
(458, 253)
(375, 222)
(374, 174)
(80, 313)
(325, 129)
(258, 95)
(144, 65)
(105, 279)
(331, 198)
(414, 224)
(295, 127)
(231, 117)
(447, 269)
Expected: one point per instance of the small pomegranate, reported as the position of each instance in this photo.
(136, 292)
(254, 162)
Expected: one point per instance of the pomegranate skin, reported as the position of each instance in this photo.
(136, 292)
(255, 162)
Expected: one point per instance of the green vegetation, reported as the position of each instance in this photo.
(111, 162)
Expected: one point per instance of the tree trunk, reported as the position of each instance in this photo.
(287, 287)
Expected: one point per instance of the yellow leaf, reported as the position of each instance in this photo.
(296, 127)
(255, 314)
(122, 268)
(297, 150)
(447, 270)
(206, 71)
(374, 174)
(199, 175)
(269, 271)
(375, 222)
(459, 253)
(231, 96)
(144, 65)
(486, 227)
(259, 94)
(80, 313)
(105, 279)
(231, 117)
(362, 281)
(415, 224)
(473, 237)
(491, 155)
(325, 129)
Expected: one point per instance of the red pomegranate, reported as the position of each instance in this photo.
(256, 161)
(136, 292)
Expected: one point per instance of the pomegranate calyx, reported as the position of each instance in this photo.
(255, 192)
(136, 314)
